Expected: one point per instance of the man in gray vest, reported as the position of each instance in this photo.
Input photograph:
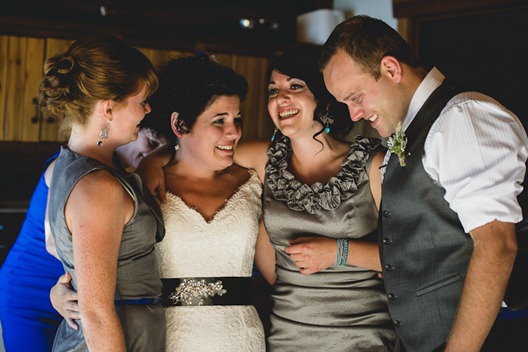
(454, 169)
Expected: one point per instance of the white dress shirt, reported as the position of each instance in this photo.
(476, 150)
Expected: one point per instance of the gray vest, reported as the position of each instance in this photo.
(424, 249)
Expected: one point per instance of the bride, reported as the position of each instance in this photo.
(211, 213)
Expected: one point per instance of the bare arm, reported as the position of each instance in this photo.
(494, 252)
(96, 212)
(253, 154)
(265, 255)
(150, 169)
(313, 254)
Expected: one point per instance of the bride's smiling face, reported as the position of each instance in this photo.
(214, 136)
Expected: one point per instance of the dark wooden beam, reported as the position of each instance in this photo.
(164, 24)
(425, 8)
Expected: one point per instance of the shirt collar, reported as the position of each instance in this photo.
(432, 81)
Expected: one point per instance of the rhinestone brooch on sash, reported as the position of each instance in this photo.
(191, 292)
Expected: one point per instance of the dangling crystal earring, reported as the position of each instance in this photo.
(274, 133)
(177, 147)
(327, 120)
(103, 135)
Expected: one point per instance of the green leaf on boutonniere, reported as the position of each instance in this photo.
(397, 143)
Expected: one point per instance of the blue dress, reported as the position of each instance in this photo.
(28, 320)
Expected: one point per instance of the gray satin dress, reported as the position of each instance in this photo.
(342, 308)
(137, 272)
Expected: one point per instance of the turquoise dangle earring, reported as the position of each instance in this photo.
(327, 121)
(274, 133)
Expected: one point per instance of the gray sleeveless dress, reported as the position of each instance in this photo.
(137, 273)
(342, 308)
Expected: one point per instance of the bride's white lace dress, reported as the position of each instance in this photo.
(222, 247)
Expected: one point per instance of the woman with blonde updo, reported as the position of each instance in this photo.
(103, 228)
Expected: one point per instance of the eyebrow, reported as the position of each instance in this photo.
(222, 114)
(287, 80)
(349, 96)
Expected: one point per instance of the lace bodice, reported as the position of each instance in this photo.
(224, 246)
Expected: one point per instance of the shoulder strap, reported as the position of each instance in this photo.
(431, 109)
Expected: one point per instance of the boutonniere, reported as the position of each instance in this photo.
(397, 143)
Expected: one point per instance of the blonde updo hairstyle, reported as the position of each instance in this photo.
(94, 68)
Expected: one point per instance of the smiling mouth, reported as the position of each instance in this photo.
(373, 117)
(288, 113)
(225, 147)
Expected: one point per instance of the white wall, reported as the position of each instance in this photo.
(381, 9)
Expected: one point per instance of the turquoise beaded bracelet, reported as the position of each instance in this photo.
(342, 251)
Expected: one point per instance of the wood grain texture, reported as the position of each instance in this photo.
(24, 67)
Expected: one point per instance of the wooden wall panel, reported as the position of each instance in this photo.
(158, 57)
(31, 81)
(257, 123)
(24, 65)
(254, 108)
(49, 126)
(21, 69)
(3, 83)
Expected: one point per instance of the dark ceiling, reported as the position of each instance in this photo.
(159, 23)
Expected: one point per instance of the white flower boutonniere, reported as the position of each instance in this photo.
(397, 143)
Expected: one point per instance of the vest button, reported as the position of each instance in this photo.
(386, 213)
(397, 323)
(393, 297)
(387, 241)
(389, 267)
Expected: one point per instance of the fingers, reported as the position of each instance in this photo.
(70, 298)
(301, 263)
(64, 299)
(65, 279)
(291, 250)
(298, 256)
(299, 259)
(72, 324)
(307, 271)
(152, 188)
(72, 311)
(296, 246)
(312, 255)
(162, 194)
(299, 240)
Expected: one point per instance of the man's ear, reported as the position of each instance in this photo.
(175, 125)
(390, 67)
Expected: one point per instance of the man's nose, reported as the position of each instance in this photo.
(355, 113)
